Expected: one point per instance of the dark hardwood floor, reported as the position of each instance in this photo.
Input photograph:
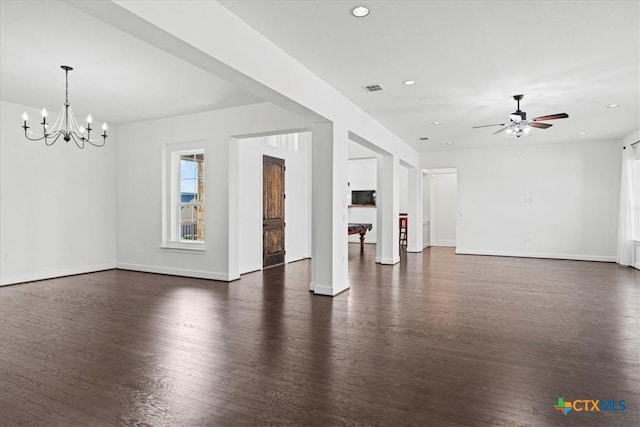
(438, 340)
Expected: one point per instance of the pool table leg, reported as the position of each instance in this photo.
(362, 240)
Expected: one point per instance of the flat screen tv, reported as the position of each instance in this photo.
(365, 197)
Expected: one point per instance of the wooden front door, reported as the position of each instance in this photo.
(272, 211)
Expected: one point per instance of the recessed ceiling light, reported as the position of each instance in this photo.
(360, 11)
(581, 133)
(409, 82)
(613, 105)
(449, 143)
(436, 123)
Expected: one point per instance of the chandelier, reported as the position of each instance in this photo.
(65, 125)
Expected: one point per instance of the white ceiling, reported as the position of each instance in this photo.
(117, 78)
(469, 58)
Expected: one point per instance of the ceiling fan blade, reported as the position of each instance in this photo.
(501, 130)
(539, 125)
(486, 126)
(551, 117)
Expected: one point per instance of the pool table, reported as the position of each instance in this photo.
(361, 229)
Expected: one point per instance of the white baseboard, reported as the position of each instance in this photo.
(389, 261)
(446, 243)
(574, 257)
(52, 274)
(258, 267)
(211, 275)
(295, 257)
(415, 249)
(329, 290)
(426, 245)
(251, 269)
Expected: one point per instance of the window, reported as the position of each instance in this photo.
(191, 202)
(184, 196)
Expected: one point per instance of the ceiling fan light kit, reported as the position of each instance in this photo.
(518, 124)
(66, 125)
(518, 130)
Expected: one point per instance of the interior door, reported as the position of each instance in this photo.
(273, 224)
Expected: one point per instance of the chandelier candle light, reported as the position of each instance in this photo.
(66, 124)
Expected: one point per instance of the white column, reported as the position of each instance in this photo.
(329, 171)
(233, 206)
(414, 210)
(379, 210)
(388, 204)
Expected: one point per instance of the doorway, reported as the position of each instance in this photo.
(443, 194)
(273, 225)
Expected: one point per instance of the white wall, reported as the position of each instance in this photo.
(363, 176)
(443, 209)
(295, 149)
(57, 204)
(545, 200)
(403, 188)
(139, 186)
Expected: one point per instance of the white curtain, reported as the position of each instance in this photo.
(629, 223)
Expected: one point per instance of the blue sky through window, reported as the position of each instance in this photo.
(188, 176)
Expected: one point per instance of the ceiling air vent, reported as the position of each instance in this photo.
(373, 88)
(424, 138)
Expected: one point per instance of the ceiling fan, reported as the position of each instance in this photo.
(518, 124)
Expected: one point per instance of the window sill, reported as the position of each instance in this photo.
(183, 247)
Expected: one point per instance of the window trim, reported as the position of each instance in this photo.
(170, 196)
